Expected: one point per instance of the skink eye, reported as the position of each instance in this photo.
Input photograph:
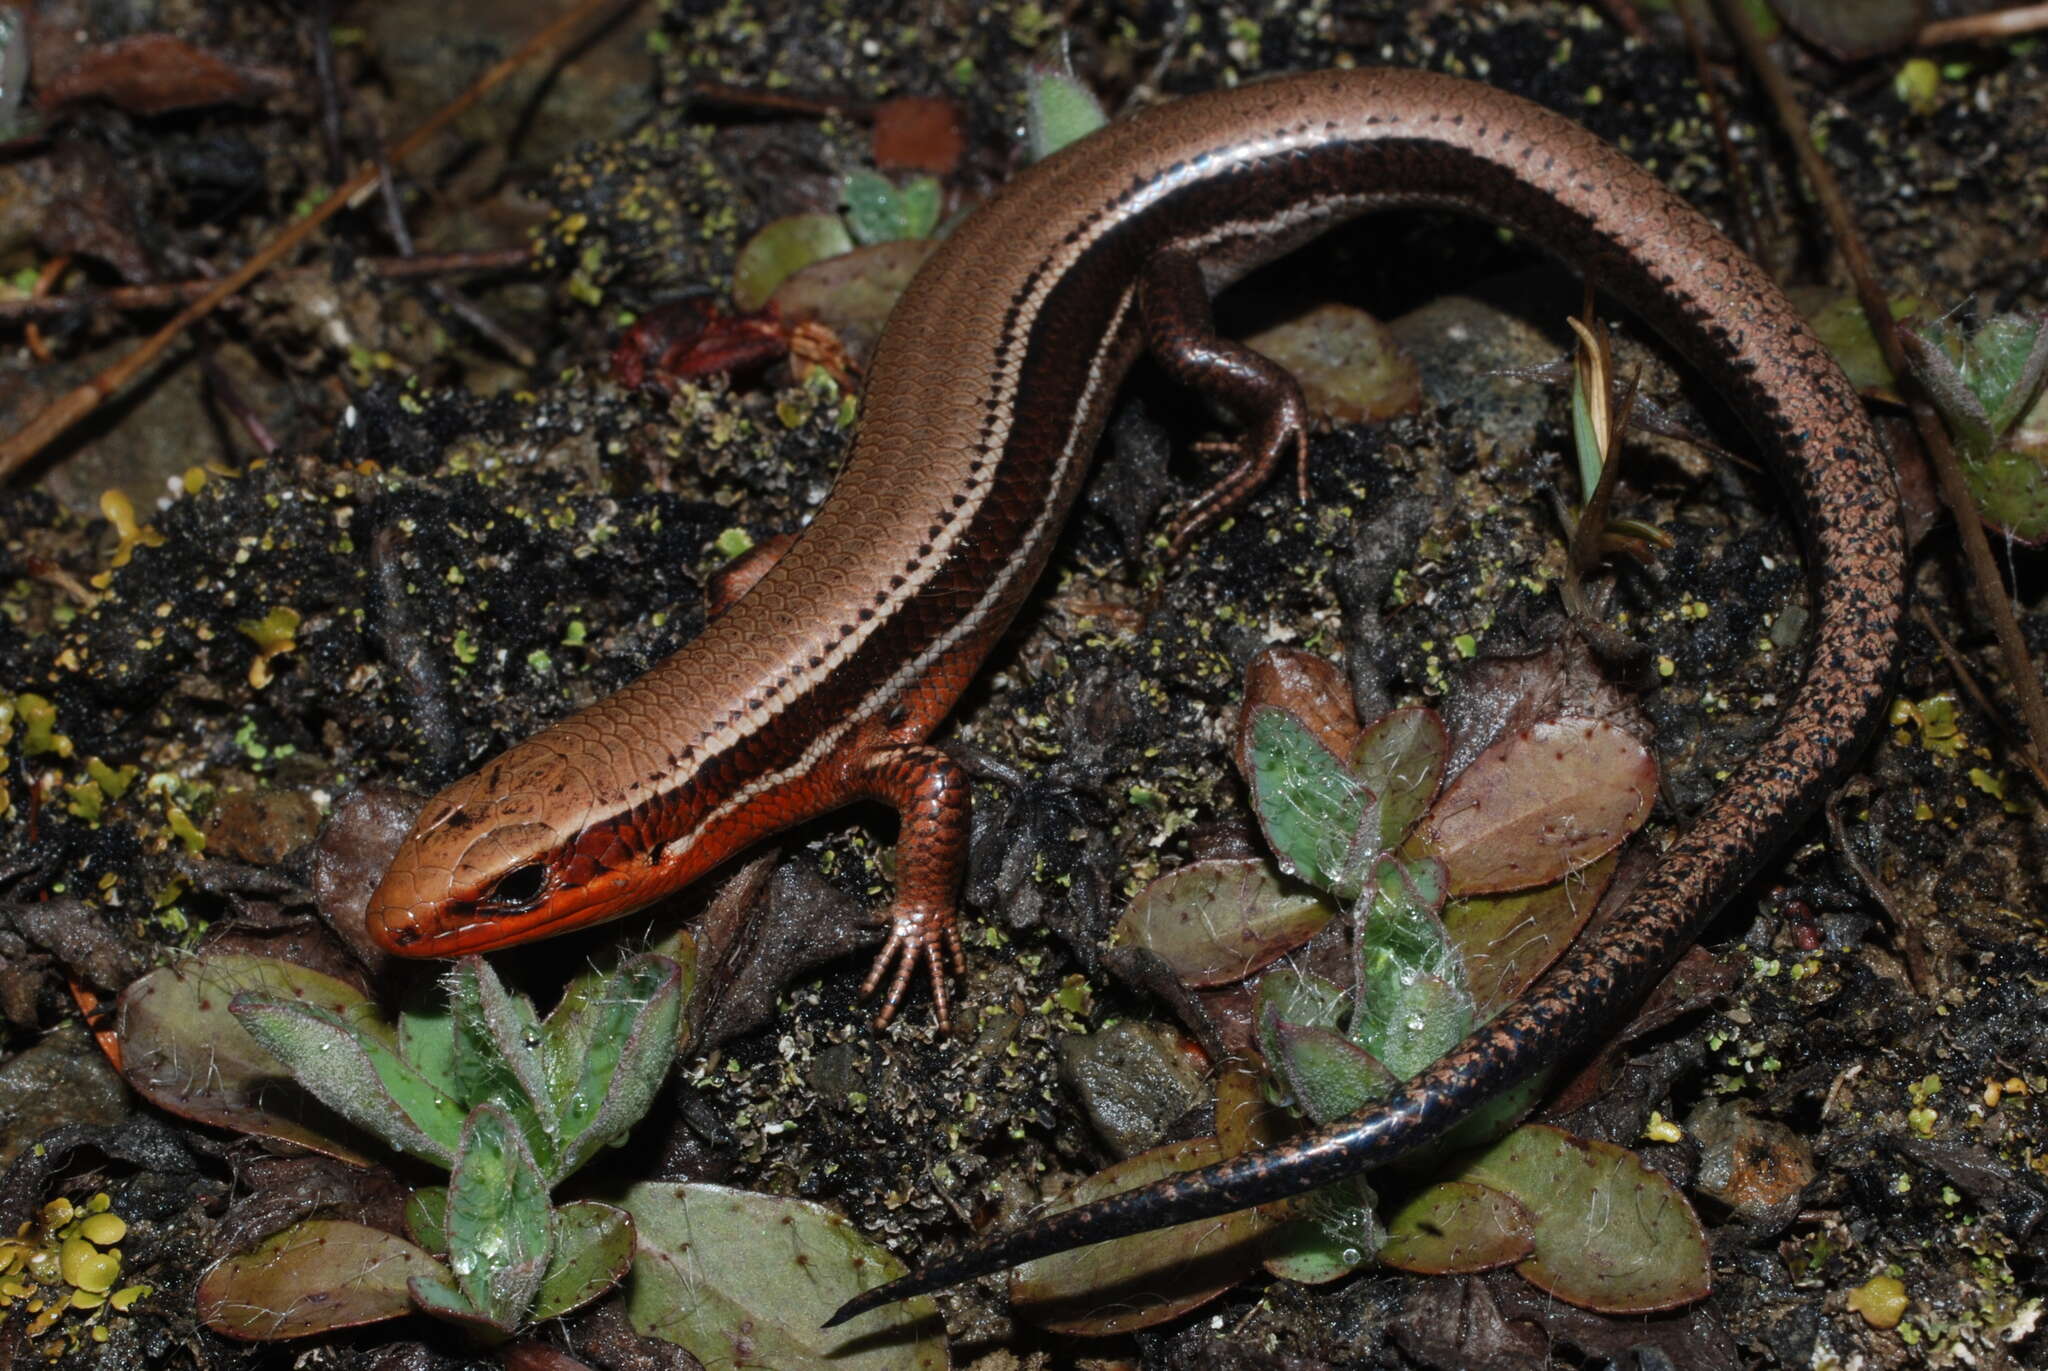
(518, 890)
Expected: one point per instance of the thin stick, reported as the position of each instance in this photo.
(68, 409)
(1912, 941)
(1746, 230)
(1955, 493)
(1979, 27)
(167, 294)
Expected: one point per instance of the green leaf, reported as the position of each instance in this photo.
(1215, 922)
(1837, 319)
(782, 248)
(2003, 364)
(1060, 111)
(1329, 1076)
(500, 1228)
(1307, 801)
(1337, 1233)
(1399, 759)
(1458, 1227)
(1934, 356)
(426, 1038)
(1609, 1233)
(498, 1058)
(877, 212)
(426, 1218)
(678, 945)
(1412, 1002)
(436, 1295)
(1289, 996)
(314, 1277)
(609, 1055)
(1585, 436)
(740, 1279)
(2012, 490)
(593, 1252)
(355, 1073)
(919, 198)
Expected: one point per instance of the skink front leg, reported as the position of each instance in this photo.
(1180, 330)
(931, 793)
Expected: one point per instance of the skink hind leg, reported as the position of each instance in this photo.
(931, 793)
(1180, 330)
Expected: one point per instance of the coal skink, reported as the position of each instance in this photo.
(986, 397)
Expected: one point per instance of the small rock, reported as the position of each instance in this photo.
(1133, 1079)
(1757, 1167)
(62, 1079)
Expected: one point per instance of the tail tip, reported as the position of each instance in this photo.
(859, 1305)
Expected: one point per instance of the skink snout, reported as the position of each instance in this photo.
(394, 923)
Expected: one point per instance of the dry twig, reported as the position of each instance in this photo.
(169, 293)
(1985, 27)
(2026, 682)
(58, 417)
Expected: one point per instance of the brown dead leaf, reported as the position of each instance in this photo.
(154, 73)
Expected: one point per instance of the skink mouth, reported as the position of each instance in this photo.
(400, 929)
(454, 926)
(411, 932)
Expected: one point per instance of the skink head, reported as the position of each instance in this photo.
(505, 856)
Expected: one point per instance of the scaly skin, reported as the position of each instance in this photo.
(986, 397)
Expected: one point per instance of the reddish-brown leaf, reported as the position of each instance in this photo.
(1311, 688)
(1544, 801)
(154, 73)
(918, 133)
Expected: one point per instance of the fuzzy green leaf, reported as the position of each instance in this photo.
(356, 1074)
(1060, 111)
(1400, 760)
(499, 1226)
(1329, 1075)
(1307, 800)
(593, 1252)
(878, 212)
(1337, 1232)
(426, 1218)
(1289, 996)
(426, 1038)
(497, 1055)
(1412, 1002)
(435, 1295)
(609, 1055)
